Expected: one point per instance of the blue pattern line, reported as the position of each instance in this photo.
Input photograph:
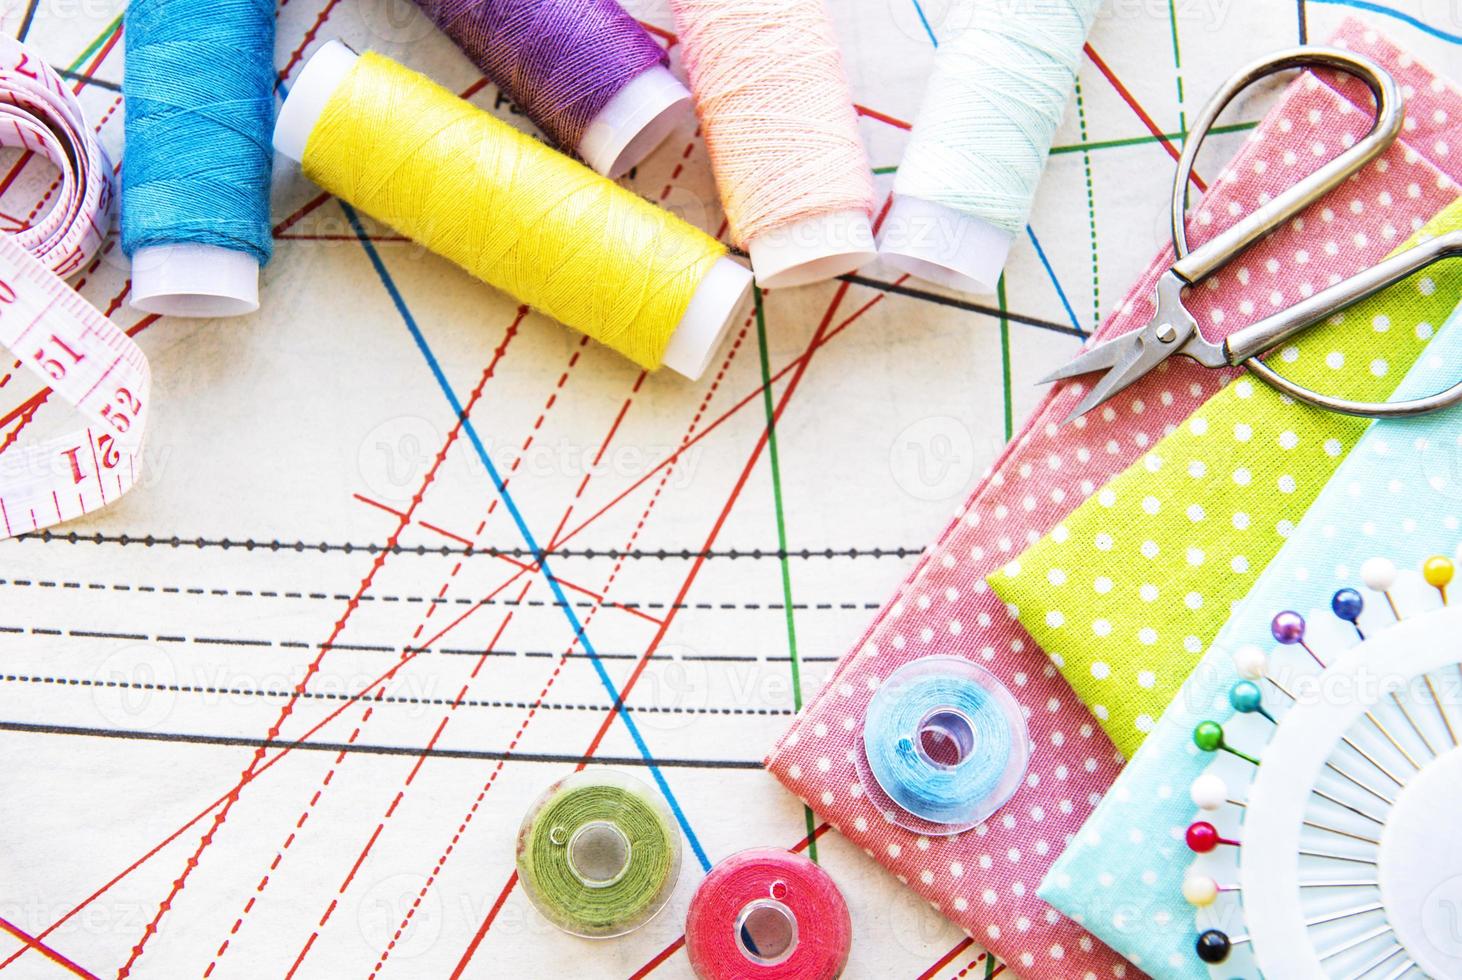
(1385, 11)
(561, 600)
(1051, 272)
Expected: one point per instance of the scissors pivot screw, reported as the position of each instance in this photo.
(1167, 333)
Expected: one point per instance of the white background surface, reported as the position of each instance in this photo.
(269, 430)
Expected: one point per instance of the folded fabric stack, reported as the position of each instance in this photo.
(1397, 495)
(986, 880)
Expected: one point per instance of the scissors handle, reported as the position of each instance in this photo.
(1259, 337)
(1195, 266)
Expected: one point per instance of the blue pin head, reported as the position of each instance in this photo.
(1246, 697)
(1347, 604)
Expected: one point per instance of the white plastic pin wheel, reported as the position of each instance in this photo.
(1342, 774)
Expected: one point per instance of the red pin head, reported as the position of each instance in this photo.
(1203, 837)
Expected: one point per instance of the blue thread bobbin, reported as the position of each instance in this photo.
(944, 746)
(195, 181)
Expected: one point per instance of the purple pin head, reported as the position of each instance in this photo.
(1288, 627)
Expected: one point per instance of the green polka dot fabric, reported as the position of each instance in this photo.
(1126, 593)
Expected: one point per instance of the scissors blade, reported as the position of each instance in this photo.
(1138, 356)
(1104, 355)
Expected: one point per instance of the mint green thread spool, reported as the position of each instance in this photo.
(598, 854)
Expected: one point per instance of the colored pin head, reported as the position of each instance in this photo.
(1213, 946)
(1379, 574)
(1200, 890)
(1438, 571)
(1251, 662)
(1209, 791)
(1246, 697)
(1348, 605)
(1208, 736)
(1202, 837)
(1288, 627)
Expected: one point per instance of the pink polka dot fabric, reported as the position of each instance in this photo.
(985, 880)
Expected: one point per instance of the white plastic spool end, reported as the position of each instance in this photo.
(640, 117)
(943, 246)
(717, 302)
(194, 280)
(811, 250)
(308, 96)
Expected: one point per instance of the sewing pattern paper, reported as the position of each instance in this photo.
(1126, 593)
(1398, 494)
(986, 880)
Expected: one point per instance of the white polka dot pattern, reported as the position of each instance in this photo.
(974, 881)
(1206, 509)
(1408, 468)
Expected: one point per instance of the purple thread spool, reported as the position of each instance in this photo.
(584, 71)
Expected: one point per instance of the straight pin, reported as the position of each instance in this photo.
(1360, 940)
(1346, 806)
(1208, 736)
(1377, 961)
(1325, 855)
(1438, 571)
(1379, 574)
(1358, 751)
(1347, 604)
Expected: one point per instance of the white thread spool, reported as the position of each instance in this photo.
(718, 299)
(969, 174)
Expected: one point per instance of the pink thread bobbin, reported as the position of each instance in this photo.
(768, 914)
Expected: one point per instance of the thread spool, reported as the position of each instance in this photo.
(782, 133)
(195, 186)
(598, 854)
(981, 139)
(944, 746)
(584, 71)
(557, 236)
(768, 914)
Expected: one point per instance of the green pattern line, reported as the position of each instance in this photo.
(1178, 69)
(97, 43)
(1005, 360)
(1096, 279)
(776, 466)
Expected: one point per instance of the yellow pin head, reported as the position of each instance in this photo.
(1438, 571)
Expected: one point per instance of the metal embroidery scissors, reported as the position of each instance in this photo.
(1173, 330)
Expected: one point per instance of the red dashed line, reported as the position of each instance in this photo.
(297, 53)
(314, 666)
(430, 611)
(558, 668)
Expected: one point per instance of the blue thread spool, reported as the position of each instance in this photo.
(195, 181)
(945, 745)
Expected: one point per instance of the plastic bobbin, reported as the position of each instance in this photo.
(945, 745)
(718, 301)
(194, 280)
(640, 117)
(767, 914)
(598, 854)
(942, 245)
(813, 249)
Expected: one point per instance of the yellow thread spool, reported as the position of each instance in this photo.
(511, 211)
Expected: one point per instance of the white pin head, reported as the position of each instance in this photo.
(1251, 662)
(1209, 791)
(1199, 890)
(1379, 574)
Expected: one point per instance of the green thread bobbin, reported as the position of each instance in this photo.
(598, 854)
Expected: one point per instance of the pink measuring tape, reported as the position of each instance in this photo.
(69, 344)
